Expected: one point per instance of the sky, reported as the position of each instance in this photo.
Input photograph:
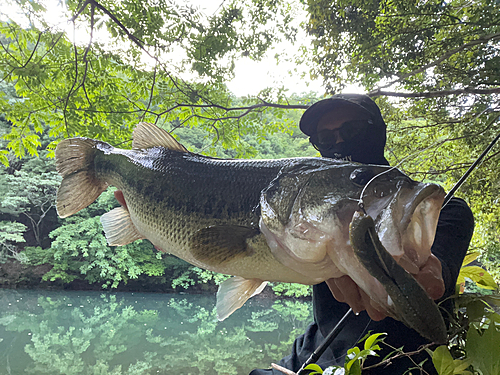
(250, 76)
(264, 73)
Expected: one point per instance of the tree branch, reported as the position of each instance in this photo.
(151, 91)
(480, 40)
(398, 355)
(434, 94)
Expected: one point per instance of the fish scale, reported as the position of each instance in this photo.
(260, 220)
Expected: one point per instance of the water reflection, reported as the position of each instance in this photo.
(44, 332)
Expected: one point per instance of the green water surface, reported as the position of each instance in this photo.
(95, 333)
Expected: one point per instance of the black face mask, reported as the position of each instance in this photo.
(324, 139)
(337, 151)
(360, 143)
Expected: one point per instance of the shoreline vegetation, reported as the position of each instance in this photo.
(40, 250)
(15, 275)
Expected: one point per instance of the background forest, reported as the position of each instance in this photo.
(433, 67)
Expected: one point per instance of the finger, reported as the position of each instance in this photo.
(431, 278)
(337, 293)
(120, 198)
(350, 291)
(373, 312)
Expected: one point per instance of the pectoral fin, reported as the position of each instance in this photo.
(118, 227)
(218, 244)
(234, 292)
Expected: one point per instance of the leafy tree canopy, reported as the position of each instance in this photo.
(432, 66)
(102, 90)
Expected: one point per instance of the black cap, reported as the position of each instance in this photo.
(310, 118)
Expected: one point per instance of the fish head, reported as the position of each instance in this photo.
(307, 209)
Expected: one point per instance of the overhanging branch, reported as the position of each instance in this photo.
(481, 40)
(435, 94)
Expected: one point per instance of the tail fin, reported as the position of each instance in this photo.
(80, 187)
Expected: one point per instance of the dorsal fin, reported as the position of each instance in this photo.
(147, 135)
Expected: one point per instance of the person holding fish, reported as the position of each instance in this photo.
(356, 231)
(350, 127)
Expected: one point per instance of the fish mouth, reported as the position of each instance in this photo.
(419, 227)
(408, 234)
(425, 195)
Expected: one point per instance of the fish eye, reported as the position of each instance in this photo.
(361, 176)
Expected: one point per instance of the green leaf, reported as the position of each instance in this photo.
(372, 340)
(354, 368)
(482, 349)
(469, 258)
(442, 360)
(460, 366)
(3, 157)
(315, 368)
(479, 275)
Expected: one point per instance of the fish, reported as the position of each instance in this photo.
(277, 220)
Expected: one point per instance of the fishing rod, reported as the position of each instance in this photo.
(342, 323)
(326, 343)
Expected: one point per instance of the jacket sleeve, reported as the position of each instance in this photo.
(453, 235)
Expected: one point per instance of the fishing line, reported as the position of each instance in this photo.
(469, 171)
(368, 183)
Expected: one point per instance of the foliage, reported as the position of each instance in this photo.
(103, 91)
(474, 274)
(11, 234)
(30, 192)
(476, 313)
(446, 365)
(292, 290)
(79, 250)
(196, 275)
(423, 46)
(469, 351)
(479, 343)
(354, 359)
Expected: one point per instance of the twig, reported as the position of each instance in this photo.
(480, 40)
(401, 354)
(282, 369)
(435, 94)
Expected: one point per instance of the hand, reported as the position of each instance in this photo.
(431, 278)
(344, 289)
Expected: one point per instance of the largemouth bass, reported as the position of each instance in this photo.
(260, 220)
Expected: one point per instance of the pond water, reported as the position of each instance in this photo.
(71, 332)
